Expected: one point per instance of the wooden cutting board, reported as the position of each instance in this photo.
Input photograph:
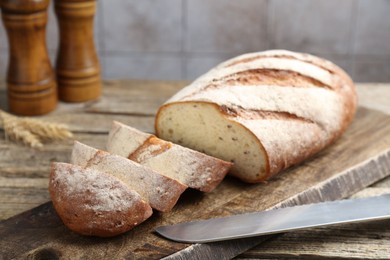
(360, 158)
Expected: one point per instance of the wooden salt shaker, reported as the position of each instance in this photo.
(31, 85)
(78, 70)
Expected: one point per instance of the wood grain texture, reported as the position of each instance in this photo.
(338, 242)
(337, 172)
(78, 69)
(336, 187)
(136, 97)
(32, 88)
(23, 173)
(90, 127)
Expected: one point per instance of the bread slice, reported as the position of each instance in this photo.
(159, 191)
(263, 111)
(194, 169)
(93, 203)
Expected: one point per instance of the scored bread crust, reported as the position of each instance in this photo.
(93, 203)
(286, 106)
(192, 168)
(159, 191)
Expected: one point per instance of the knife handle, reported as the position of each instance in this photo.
(31, 85)
(77, 65)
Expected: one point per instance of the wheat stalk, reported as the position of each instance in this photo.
(30, 131)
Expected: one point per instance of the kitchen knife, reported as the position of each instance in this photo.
(279, 220)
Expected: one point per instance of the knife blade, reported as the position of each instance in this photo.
(279, 220)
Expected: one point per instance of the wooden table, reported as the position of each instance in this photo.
(24, 171)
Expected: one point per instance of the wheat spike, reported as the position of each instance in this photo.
(32, 131)
(46, 130)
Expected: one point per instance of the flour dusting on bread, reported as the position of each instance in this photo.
(264, 111)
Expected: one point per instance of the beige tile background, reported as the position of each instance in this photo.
(181, 39)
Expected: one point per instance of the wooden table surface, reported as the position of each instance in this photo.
(24, 171)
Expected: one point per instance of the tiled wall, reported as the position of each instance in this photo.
(181, 39)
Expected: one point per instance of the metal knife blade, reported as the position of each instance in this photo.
(279, 220)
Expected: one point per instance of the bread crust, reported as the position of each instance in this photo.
(93, 203)
(159, 191)
(308, 102)
(231, 121)
(192, 168)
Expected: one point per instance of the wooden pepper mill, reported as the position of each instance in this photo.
(78, 70)
(31, 84)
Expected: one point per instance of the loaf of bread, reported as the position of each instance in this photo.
(159, 191)
(94, 203)
(263, 111)
(194, 169)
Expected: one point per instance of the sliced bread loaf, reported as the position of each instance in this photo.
(263, 111)
(194, 169)
(159, 191)
(93, 203)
